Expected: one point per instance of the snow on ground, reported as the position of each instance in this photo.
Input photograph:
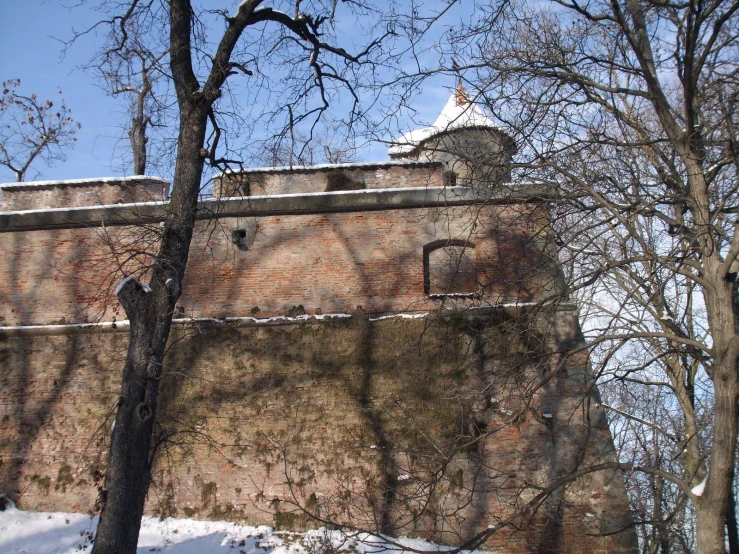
(60, 533)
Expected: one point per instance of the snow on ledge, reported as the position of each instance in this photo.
(275, 319)
(122, 324)
(505, 305)
(133, 205)
(66, 327)
(192, 321)
(213, 203)
(421, 315)
(359, 192)
(90, 181)
(325, 167)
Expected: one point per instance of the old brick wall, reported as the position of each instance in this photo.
(340, 177)
(329, 263)
(436, 427)
(41, 195)
(430, 427)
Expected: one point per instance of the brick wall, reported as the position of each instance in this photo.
(41, 195)
(326, 415)
(330, 263)
(378, 423)
(339, 177)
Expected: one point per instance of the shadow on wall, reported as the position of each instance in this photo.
(40, 399)
(433, 428)
(430, 427)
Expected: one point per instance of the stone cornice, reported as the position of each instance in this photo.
(284, 204)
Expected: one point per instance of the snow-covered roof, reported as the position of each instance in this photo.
(87, 182)
(458, 113)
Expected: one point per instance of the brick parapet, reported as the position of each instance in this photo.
(43, 195)
(329, 177)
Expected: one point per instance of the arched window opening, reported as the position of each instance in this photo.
(450, 269)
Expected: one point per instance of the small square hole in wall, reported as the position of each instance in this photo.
(450, 179)
(238, 237)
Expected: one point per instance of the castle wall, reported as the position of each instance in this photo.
(300, 180)
(424, 427)
(436, 426)
(42, 195)
(325, 262)
(475, 156)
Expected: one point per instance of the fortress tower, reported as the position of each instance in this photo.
(378, 344)
(473, 150)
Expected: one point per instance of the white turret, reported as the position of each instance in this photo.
(472, 148)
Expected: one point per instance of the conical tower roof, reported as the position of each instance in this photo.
(458, 113)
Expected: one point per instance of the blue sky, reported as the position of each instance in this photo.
(33, 55)
(29, 38)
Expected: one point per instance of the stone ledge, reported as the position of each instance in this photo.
(285, 204)
(134, 180)
(246, 321)
(331, 167)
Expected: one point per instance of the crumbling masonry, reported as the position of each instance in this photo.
(379, 344)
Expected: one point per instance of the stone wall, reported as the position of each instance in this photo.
(430, 427)
(330, 178)
(436, 426)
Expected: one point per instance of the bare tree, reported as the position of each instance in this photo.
(199, 69)
(646, 425)
(628, 109)
(144, 108)
(324, 145)
(131, 66)
(31, 128)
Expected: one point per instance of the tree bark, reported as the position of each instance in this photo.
(150, 309)
(732, 531)
(137, 137)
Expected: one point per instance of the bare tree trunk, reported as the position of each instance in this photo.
(129, 461)
(732, 531)
(712, 504)
(137, 137)
(150, 309)
(139, 122)
(150, 312)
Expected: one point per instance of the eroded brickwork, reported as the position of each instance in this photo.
(42, 195)
(437, 427)
(325, 263)
(427, 427)
(342, 177)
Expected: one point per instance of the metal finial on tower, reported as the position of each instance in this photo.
(461, 97)
(460, 94)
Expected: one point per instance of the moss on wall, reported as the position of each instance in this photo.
(400, 425)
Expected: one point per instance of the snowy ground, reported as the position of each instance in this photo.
(60, 533)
